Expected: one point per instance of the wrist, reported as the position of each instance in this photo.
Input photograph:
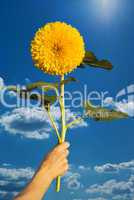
(42, 176)
(46, 171)
(50, 170)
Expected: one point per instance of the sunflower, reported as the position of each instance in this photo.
(57, 48)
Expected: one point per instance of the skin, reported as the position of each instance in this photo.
(55, 164)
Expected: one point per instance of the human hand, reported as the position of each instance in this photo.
(56, 161)
(55, 164)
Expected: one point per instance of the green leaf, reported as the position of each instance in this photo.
(105, 64)
(68, 80)
(40, 84)
(91, 60)
(12, 88)
(103, 114)
(25, 93)
(43, 98)
(82, 66)
(90, 56)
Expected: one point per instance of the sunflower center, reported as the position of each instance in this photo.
(57, 49)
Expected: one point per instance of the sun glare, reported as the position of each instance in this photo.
(105, 10)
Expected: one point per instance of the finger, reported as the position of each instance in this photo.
(62, 147)
(62, 161)
(64, 173)
(65, 167)
(58, 157)
(65, 162)
(64, 170)
(62, 156)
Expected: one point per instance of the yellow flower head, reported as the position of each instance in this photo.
(57, 48)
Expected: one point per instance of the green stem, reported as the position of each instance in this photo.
(63, 120)
(63, 124)
(54, 125)
(73, 122)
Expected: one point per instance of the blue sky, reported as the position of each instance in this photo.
(108, 29)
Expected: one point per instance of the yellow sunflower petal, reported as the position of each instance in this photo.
(57, 48)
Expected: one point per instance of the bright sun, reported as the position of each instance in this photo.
(106, 9)
(110, 7)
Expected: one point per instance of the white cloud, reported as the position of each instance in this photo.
(3, 182)
(72, 180)
(126, 107)
(1, 82)
(33, 122)
(6, 164)
(84, 168)
(16, 177)
(15, 174)
(3, 193)
(98, 198)
(108, 101)
(7, 194)
(111, 168)
(113, 188)
(73, 177)
(77, 199)
(123, 197)
(28, 122)
(119, 188)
